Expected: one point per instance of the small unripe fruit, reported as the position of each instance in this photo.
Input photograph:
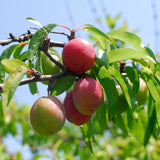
(47, 115)
(78, 55)
(142, 94)
(71, 112)
(48, 66)
(87, 95)
(121, 103)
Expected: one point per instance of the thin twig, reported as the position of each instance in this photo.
(22, 38)
(44, 48)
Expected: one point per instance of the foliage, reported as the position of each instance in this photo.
(133, 134)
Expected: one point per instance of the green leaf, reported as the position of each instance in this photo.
(32, 86)
(101, 115)
(149, 51)
(122, 54)
(116, 74)
(10, 65)
(133, 77)
(62, 84)
(23, 56)
(151, 86)
(38, 39)
(36, 157)
(87, 133)
(101, 36)
(141, 57)
(111, 21)
(7, 52)
(140, 123)
(127, 37)
(18, 49)
(10, 86)
(157, 107)
(32, 20)
(38, 64)
(150, 127)
(5, 55)
(108, 84)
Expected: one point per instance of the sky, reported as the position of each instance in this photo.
(139, 14)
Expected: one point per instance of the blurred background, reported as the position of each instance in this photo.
(140, 16)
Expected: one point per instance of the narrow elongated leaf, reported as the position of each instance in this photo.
(116, 74)
(151, 86)
(108, 84)
(150, 127)
(32, 20)
(122, 54)
(19, 48)
(101, 36)
(157, 108)
(38, 38)
(62, 84)
(10, 86)
(38, 65)
(102, 116)
(87, 133)
(133, 77)
(23, 56)
(126, 37)
(140, 123)
(32, 86)
(8, 51)
(5, 54)
(10, 65)
(102, 58)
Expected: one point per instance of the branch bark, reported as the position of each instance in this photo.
(25, 37)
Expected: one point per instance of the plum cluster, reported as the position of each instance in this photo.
(48, 114)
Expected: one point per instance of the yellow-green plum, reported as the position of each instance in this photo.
(48, 67)
(142, 94)
(47, 115)
(87, 95)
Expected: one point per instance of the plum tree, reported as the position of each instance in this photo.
(47, 115)
(87, 95)
(71, 112)
(78, 55)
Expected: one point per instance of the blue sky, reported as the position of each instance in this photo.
(13, 14)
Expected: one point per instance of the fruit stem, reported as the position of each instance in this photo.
(64, 27)
(77, 27)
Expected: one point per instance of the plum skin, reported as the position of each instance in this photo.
(78, 55)
(71, 112)
(47, 115)
(87, 95)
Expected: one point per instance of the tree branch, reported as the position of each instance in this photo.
(22, 38)
(25, 37)
(48, 78)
